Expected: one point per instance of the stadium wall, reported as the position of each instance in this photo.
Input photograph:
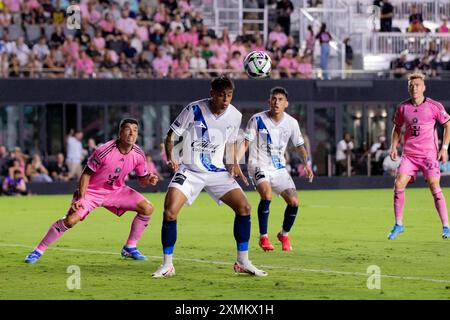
(182, 91)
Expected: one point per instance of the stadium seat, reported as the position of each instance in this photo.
(15, 31)
(48, 30)
(33, 32)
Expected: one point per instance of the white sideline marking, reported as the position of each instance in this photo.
(346, 273)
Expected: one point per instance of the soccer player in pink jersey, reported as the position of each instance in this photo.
(420, 150)
(102, 184)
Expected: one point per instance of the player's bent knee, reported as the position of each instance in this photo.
(71, 220)
(293, 202)
(170, 215)
(146, 210)
(244, 209)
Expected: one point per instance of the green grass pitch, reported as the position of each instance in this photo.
(336, 237)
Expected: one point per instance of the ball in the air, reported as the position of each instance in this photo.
(257, 64)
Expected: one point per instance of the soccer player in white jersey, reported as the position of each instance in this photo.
(209, 127)
(268, 134)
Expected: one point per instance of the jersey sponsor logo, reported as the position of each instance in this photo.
(179, 178)
(122, 160)
(204, 146)
(263, 131)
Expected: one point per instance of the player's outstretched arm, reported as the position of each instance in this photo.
(168, 144)
(443, 153)
(395, 140)
(304, 159)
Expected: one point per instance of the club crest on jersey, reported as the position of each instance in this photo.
(117, 170)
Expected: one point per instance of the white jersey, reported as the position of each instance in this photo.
(268, 140)
(205, 135)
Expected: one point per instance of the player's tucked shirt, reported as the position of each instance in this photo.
(268, 140)
(421, 138)
(205, 135)
(111, 167)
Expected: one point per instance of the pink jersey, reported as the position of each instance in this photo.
(420, 133)
(111, 167)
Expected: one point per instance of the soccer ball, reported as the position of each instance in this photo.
(257, 64)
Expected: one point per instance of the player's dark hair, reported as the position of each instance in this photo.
(222, 83)
(281, 90)
(128, 120)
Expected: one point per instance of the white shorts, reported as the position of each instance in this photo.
(279, 179)
(191, 183)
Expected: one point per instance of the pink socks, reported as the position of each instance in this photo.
(54, 233)
(399, 203)
(441, 207)
(138, 227)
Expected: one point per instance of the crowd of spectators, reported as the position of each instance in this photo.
(434, 61)
(136, 38)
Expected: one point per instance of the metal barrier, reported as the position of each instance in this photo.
(396, 42)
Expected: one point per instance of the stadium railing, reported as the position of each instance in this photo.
(396, 42)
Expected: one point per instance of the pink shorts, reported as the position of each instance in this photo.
(411, 165)
(118, 201)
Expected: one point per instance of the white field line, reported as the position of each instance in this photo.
(345, 273)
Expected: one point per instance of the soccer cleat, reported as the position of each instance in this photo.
(132, 253)
(265, 244)
(164, 271)
(249, 268)
(33, 257)
(396, 230)
(285, 243)
(445, 233)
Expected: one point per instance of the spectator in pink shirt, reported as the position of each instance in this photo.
(185, 5)
(32, 4)
(177, 38)
(288, 65)
(279, 36)
(220, 48)
(12, 5)
(304, 67)
(180, 67)
(238, 46)
(443, 28)
(99, 41)
(161, 16)
(126, 24)
(161, 64)
(84, 66)
(236, 64)
(90, 13)
(71, 47)
(218, 63)
(191, 36)
(107, 24)
(258, 45)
